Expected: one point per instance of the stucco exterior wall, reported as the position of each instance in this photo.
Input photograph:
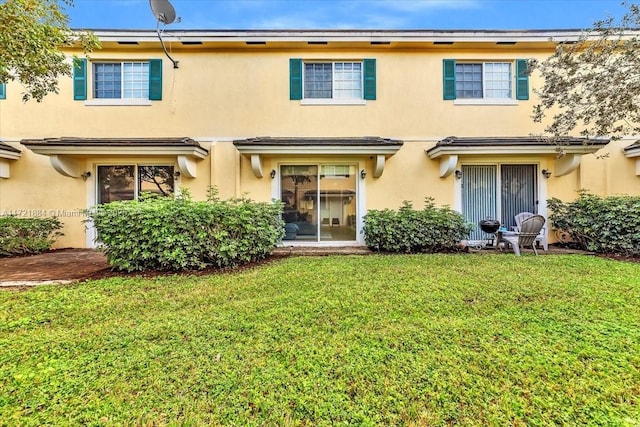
(221, 94)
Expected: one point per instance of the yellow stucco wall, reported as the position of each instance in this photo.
(218, 95)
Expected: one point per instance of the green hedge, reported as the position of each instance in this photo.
(432, 229)
(20, 236)
(599, 224)
(180, 234)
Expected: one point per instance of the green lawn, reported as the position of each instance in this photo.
(475, 339)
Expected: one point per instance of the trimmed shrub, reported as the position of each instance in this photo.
(21, 236)
(180, 234)
(599, 224)
(432, 229)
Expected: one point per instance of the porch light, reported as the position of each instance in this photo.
(546, 173)
(273, 173)
(85, 175)
(363, 174)
(458, 174)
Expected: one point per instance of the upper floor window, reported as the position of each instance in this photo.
(332, 82)
(484, 80)
(490, 81)
(121, 80)
(117, 83)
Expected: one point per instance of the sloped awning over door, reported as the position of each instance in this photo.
(65, 153)
(379, 148)
(7, 153)
(633, 151)
(567, 151)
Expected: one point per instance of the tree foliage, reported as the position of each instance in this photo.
(32, 36)
(593, 85)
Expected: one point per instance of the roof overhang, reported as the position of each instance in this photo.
(65, 153)
(633, 151)
(7, 153)
(568, 151)
(400, 38)
(315, 39)
(379, 148)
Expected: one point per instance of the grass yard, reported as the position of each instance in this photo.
(370, 340)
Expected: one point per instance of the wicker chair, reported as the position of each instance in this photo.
(529, 231)
(542, 237)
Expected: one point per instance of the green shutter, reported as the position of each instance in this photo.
(3, 91)
(80, 79)
(370, 79)
(155, 79)
(522, 79)
(295, 79)
(449, 78)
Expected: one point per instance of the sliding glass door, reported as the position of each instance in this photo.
(320, 202)
(499, 192)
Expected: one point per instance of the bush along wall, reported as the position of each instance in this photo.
(407, 230)
(600, 224)
(21, 236)
(181, 234)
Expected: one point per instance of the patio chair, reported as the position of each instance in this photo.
(529, 231)
(542, 237)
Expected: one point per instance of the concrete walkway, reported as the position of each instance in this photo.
(58, 266)
(70, 265)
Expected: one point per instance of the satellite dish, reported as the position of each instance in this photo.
(166, 14)
(163, 11)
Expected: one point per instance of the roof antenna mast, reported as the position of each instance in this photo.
(164, 13)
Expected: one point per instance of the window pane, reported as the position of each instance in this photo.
(497, 77)
(115, 183)
(156, 179)
(338, 202)
(136, 80)
(317, 80)
(469, 80)
(347, 80)
(106, 80)
(299, 193)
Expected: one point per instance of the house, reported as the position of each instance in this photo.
(333, 123)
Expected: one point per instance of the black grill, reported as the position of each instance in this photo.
(489, 225)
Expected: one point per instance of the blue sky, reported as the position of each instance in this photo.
(348, 14)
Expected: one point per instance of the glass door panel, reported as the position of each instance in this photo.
(337, 202)
(479, 195)
(519, 192)
(299, 193)
(116, 183)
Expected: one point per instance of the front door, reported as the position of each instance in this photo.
(498, 192)
(319, 202)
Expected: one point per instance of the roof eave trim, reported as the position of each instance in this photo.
(10, 154)
(546, 149)
(106, 150)
(364, 35)
(632, 151)
(318, 149)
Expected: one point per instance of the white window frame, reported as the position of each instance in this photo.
(511, 100)
(333, 100)
(360, 199)
(136, 177)
(93, 101)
